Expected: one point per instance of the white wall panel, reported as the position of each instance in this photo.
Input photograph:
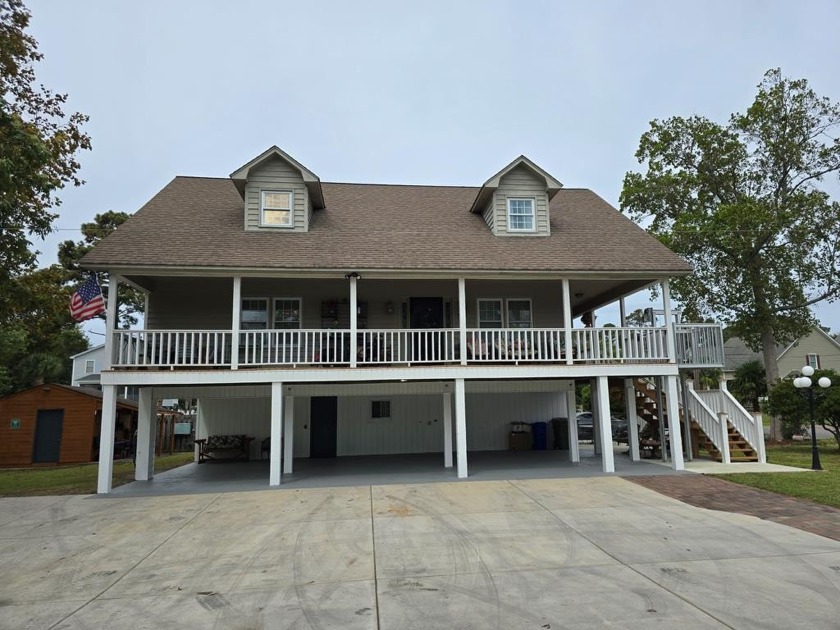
(489, 416)
(251, 416)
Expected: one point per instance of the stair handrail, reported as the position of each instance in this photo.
(722, 401)
(706, 418)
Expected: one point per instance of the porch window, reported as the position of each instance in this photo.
(490, 314)
(254, 314)
(276, 208)
(520, 215)
(519, 313)
(813, 360)
(287, 313)
(380, 409)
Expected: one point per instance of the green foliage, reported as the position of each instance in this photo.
(38, 147)
(741, 203)
(749, 384)
(130, 300)
(791, 405)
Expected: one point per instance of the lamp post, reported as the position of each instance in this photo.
(804, 383)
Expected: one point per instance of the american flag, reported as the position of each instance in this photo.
(87, 301)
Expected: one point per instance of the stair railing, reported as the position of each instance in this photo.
(708, 420)
(751, 430)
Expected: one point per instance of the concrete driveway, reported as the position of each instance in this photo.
(537, 554)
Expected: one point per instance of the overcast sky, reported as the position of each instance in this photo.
(412, 93)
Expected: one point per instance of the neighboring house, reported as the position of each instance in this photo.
(362, 319)
(58, 424)
(817, 349)
(87, 365)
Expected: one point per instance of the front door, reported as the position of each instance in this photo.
(323, 420)
(47, 446)
(427, 313)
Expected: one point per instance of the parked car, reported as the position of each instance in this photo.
(585, 424)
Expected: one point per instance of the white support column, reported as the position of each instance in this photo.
(236, 323)
(144, 456)
(604, 427)
(660, 413)
(567, 324)
(674, 429)
(110, 321)
(276, 433)
(462, 318)
(725, 455)
(106, 438)
(632, 419)
(461, 427)
(571, 411)
(669, 324)
(354, 320)
(289, 433)
(758, 421)
(447, 430)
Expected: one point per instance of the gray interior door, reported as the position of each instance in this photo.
(48, 426)
(323, 420)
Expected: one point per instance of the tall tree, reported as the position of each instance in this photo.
(742, 202)
(130, 300)
(39, 144)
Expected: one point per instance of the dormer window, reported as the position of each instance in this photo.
(276, 208)
(520, 214)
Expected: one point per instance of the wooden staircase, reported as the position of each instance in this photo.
(739, 449)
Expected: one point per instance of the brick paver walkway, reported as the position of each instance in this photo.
(726, 496)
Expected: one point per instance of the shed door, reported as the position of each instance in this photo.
(47, 435)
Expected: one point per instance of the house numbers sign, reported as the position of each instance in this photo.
(14, 424)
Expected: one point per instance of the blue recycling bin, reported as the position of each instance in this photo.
(540, 432)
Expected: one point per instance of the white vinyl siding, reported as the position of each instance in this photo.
(521, 183)
(489, 217)
(276, 208)
(276, 175)
(520, 214)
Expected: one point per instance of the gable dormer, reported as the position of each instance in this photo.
(514, 202)
(279, 192)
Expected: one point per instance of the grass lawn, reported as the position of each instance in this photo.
(820, 487)
(81, 479)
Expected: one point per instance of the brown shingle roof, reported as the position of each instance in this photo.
(200, 222)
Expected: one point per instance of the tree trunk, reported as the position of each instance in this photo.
(771, 374)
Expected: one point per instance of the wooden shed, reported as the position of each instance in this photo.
(58, 424)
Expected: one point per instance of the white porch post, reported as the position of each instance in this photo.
(276, 433)
(106, 437)
(632, 419)
(462, 319)
(236, 322)
(289, 434)
(461, 427)
(660, 412)
(675, 437)
(447, 430)
(144, 456)
(604, 424)
(571, 411)
(669, 324)
(567, 325)
(354, 319)
(110, 320)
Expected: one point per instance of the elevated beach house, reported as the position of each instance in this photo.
(326, 319)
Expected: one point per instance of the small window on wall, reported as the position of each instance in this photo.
(813, 360)
(519, 313)
(380, 409)
(254, 314)
(521, 215)
(287, 313)
(90, 366)
(490, 314)
(276, 208)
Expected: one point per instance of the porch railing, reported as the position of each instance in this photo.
(721, 401)
(219, 348)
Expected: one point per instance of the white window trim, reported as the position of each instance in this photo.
(816, 363)
(518, 299)
(478, 302)
(291, 222)
(90, 363)
(273, 321)
(267, 312)
(533, 227)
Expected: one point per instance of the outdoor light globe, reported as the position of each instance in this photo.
(824, 382)
(797, 382)
(807, 371)
(804, 381)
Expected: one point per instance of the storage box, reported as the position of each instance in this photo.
(520, 440)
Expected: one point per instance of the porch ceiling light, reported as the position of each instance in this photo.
(803, 383)
(353, 274)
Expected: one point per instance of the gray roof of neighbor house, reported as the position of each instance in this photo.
(199, 222)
